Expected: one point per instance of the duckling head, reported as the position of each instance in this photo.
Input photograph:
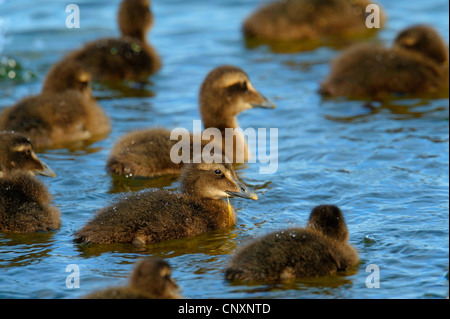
(17, 154)
(329, 220)
(153, 275)
(135, 18)
(213, 180)
(226, 92)
(424, 40)
(65, 75)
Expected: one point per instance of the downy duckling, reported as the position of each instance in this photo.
(129, 57)
(297, 20)
(151, 279)
(417, 64)
(64, 112)
(157, 215)
(225, 92)
(24, 200)
(320, 249)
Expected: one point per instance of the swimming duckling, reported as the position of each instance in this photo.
(128, 57)
(24, 200)
(225, 92)
(157, 215)
(64, 112)
(150, 279)
(320, 249)
(417, 64)
(294, 20)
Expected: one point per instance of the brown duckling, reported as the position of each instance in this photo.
(129, 57)
(64, 112)
(225, 92)
(417, 64)
(157, 215)
(320, 249)
(24, 200)
(150, 279)
(294, 20)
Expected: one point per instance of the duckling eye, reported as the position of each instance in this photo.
(218, 172)
(239, 86)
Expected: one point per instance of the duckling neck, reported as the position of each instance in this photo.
(138, 35)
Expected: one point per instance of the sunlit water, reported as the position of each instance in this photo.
(386, 166)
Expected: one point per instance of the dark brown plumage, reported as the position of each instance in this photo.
(24, 200)
(150, 279)
(225, 92)
(320, 249)
(64, 112)
(417, 64)
(129, 57)
(158, 215)
(294, 20)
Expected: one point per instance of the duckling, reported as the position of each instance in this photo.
(150, 279)
(417, 64)
(24, 200)
(157, 215)
(64, 112)
(297, 20)
(129, 57)
(225, 92)
(320, 249)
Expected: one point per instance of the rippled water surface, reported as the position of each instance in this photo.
(386, 165)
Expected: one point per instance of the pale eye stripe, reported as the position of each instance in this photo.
(21, 148)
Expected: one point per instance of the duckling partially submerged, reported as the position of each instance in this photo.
(295, 20)
(417, 64)
(320, 249)
(129, 57)
(157, 215)
(64, 112)
(24, 200)
(150, 279)
(225, 92)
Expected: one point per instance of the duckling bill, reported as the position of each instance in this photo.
(25, 203)
(320, 249)
(157, 215)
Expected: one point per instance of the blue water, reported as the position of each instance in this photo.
(387, 167)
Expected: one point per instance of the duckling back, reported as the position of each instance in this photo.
(25, 205)
(53, 119)
(150, 279)
(118, 59)
(370, 71)
(153, 216)
(320, 249)
(291, 20)
(416, 64)
(64, 112)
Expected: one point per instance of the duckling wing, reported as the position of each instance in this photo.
(150, 216)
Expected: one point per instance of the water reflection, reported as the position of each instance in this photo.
(399, 110)
(216, 243)
(20, 250)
